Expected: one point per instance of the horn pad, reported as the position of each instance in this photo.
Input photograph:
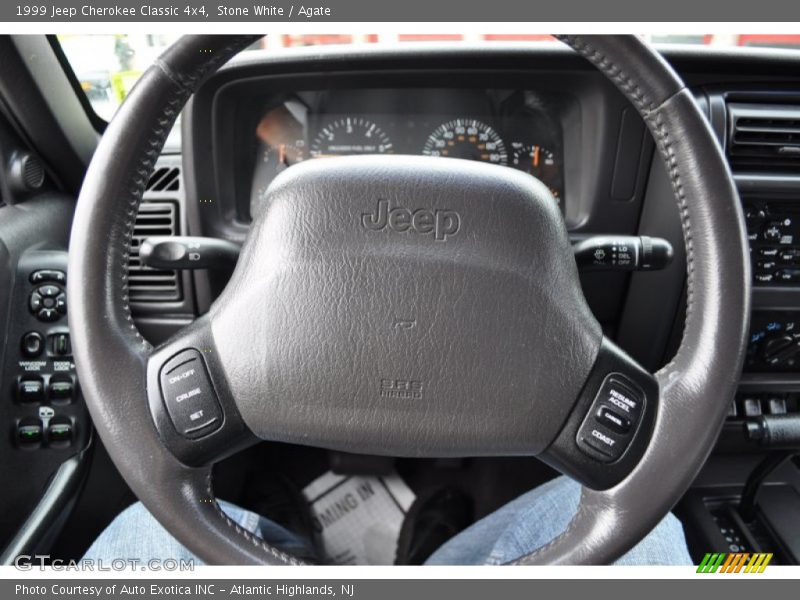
(406, 306)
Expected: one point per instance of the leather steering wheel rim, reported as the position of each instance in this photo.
(695, 388)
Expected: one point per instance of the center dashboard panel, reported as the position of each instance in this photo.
(758, 129)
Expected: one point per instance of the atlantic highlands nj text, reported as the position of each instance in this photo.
(281, 12)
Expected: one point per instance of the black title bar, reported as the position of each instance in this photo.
(439, 11)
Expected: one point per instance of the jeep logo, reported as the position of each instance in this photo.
(440, 223)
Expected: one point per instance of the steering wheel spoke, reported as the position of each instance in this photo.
(190, 401)
(608, 430)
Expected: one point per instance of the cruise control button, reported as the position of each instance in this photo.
(602, 441)
(620, 395)
(189, 395)
(610, 424)
(613, 420)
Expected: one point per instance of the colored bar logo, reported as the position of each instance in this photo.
(734, 562)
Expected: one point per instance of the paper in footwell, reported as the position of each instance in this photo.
(358, 518)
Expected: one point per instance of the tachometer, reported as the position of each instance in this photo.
(467, 138)
(350, 135)
(540, 162)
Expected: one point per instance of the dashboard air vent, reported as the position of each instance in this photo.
(764, 137)
(146, 284)
(165, 179)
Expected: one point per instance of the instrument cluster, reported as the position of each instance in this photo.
(511, 129)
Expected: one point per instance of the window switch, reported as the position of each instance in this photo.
(30, 389)
(60, 389)
(29, 432)
(59, 432)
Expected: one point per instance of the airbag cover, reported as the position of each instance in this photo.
(407, 306)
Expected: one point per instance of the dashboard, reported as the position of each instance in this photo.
(561, 122)
(518, 129)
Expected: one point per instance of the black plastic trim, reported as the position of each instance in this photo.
(97, 122)
(42, 524)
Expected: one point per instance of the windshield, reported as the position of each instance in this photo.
(107, 66)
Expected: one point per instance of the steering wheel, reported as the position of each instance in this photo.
(408, 306)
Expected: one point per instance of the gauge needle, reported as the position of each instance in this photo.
(536, 156)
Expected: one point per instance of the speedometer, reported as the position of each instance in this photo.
(350, 135)
(467, 138)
